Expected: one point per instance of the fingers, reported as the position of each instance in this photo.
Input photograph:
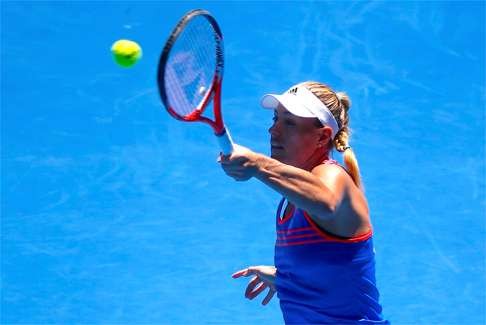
(251, 285)
(240, 273)
(256, 284)
(222, 159)
(259, 288)
(255, 287)
(246, 272)
(235, 174)
(269, 297)
(231, 168)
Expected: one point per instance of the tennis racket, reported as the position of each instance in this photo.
(190, 73)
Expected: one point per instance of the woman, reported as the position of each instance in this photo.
(324, 258)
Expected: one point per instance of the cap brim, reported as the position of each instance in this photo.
(290, 103)
(270, 101)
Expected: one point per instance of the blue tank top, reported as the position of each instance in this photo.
(322, 278)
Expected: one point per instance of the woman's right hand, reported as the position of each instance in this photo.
(264, 277)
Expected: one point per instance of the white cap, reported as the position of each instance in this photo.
(300, 101)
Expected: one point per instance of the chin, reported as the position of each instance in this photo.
(274, 155)
(278, 157)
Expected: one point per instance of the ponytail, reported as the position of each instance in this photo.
(341, 144)
(339, 104)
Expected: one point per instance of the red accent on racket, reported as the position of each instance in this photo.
(190, 73)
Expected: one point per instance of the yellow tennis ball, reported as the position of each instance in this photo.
(126, 53)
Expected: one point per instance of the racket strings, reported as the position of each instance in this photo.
(191, 66)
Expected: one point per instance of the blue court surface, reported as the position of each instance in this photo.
(112, 212)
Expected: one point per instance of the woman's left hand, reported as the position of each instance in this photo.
(241, 164)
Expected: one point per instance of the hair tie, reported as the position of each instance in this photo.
(346, 148)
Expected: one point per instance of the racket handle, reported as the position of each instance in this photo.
(225, 142)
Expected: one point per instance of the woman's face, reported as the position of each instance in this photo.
(297, 141)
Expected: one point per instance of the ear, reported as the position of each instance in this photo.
(325, 134)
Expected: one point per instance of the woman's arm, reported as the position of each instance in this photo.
(304, 189)
(313, 191)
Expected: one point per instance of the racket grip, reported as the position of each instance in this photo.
(225, 142)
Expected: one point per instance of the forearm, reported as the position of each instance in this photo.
(299, 186)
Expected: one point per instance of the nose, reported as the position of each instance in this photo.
(274, 130)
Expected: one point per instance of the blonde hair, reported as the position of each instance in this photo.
(339, 104)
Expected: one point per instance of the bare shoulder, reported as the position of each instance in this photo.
(352, 215)
(333, 176)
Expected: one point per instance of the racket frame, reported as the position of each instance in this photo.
(215, 90)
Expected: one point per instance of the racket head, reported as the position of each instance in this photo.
(191, 65)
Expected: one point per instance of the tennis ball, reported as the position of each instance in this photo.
(126, 53)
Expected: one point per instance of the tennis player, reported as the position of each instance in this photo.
(324, 269)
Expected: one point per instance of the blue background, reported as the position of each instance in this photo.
(114, 213)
